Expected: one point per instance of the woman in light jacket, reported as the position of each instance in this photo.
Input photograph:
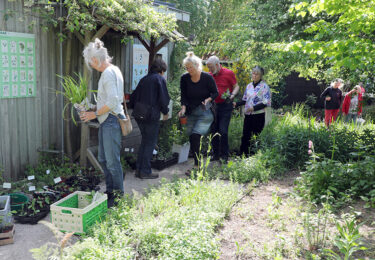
(256, 98)
(109, 99)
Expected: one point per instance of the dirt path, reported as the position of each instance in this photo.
(268, 224)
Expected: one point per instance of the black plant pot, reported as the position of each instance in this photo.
(160, 164)
(33, 219)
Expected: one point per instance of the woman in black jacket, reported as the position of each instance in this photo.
(198, 91)
(149, 99)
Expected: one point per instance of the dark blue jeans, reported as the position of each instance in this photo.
(109, 153)
(149, 131)
(220, 144)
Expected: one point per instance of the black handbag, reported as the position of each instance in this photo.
(141, 111)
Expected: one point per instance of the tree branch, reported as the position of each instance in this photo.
(143, 42)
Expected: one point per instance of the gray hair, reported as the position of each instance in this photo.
(191, 58)
(258, 70)
(96, 50)
(337, 80)
(213, 60)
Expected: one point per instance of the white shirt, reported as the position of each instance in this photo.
(110, 91)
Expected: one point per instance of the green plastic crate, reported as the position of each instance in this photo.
(76, 213)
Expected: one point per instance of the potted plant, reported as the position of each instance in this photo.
(36, 209)
(226, 96)
(164, 159)
(75, 93)
(181, 143)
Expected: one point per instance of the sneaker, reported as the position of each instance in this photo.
(149, 176)
(137, 174)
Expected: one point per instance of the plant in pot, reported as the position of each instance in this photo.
(226, 96)
(181, 143)
(75, 93)
(164, 159)
(36, 209)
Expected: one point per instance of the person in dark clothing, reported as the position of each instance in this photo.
(256, 98)
(150, 98)
(333, 99)
(198, 91)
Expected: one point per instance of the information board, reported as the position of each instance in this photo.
(17, 63)
(140, 62)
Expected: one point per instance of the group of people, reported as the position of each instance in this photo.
(203, 101)
(351, 103)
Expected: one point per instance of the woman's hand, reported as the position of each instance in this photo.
(249, 110)
(207, 100)
(328, 98)
(182, 111)
(165, 117)
(87, 116)
(234, 104)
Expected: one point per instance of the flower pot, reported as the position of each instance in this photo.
(183, 120)
(161, 164)
(182, 150)
(17, 200)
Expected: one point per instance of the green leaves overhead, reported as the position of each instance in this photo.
(121, 15)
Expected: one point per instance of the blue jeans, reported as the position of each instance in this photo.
(220, 144)
(199, 121)
(149, 131)
(351, 117)
(109, 153)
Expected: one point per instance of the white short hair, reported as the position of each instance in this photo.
(339, 81)
(191, 58)
(96, 50)
(213, 60)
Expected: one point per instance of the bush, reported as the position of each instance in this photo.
(340, 182)
(289, 135)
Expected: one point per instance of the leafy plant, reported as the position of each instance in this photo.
(179, 135)
(75, 92)
(347, 240)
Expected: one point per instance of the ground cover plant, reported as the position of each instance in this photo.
(175, 221)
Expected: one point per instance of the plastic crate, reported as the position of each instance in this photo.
(76, 213)
(5, 213)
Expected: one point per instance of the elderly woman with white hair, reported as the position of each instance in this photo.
(109, 99)
(256, 98)
(333, 99)
(198, 91)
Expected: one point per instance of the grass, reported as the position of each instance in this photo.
(175, 221)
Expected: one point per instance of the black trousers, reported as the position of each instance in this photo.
(253, 125)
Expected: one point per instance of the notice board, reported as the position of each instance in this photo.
(17, 61)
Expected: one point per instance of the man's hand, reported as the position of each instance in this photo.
(328, 98)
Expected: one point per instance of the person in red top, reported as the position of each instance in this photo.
(352, 106)
(228, 88)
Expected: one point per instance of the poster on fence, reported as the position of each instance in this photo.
(17, 65)
(140, 62)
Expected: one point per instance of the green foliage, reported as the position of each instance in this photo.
(235, 132)
(179, 135)
(342, 182)
(84, 16)
(347, 240)
(175, 221)
(289, 136)
(75, 92)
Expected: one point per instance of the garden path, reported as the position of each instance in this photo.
(34, 236)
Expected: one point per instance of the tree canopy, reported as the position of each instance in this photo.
(322, 39)
(82, 16)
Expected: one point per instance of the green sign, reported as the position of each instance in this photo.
(17, 63)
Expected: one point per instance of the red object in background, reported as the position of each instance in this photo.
(127, 97)
(183, 120)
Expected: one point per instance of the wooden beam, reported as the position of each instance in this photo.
(79, 37)
(101, 32)
(92, 159)
(143, 42)
(161, 45)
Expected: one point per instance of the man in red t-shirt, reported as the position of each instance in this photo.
(228, 88)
